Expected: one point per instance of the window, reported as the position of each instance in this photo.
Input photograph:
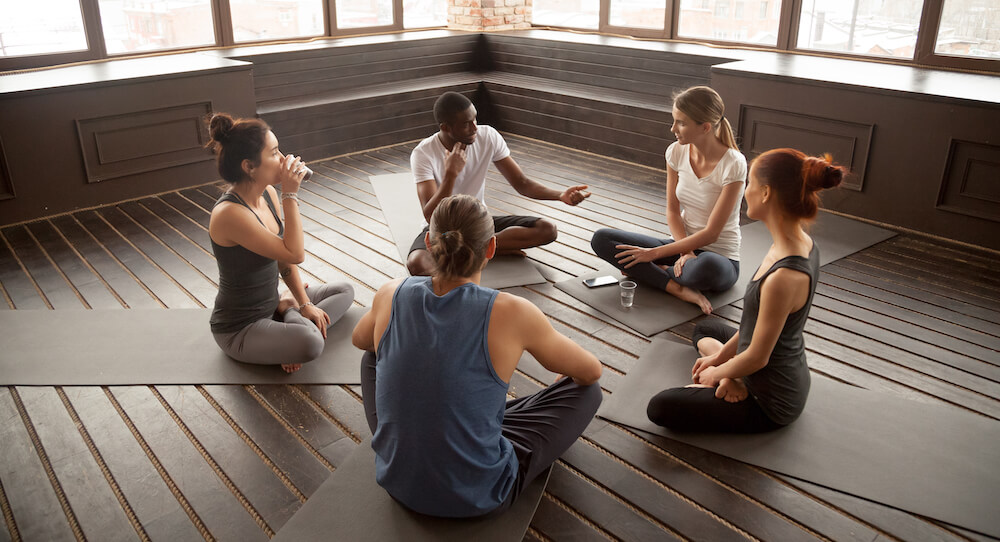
(46, 26)
(969, 28)
(637, 13)
(276, 19)
(886, 28)
(362, 13)
(425, 13)
(717, 25)
(132, 26)
(567, 13)
(763, 10)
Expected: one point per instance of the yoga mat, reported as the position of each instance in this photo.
(654, 311)
(397, 195)
(149, 346)
(932, 460)
(351, 506)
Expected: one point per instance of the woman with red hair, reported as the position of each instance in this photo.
(756, 379)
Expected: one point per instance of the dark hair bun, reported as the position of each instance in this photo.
(220, 126)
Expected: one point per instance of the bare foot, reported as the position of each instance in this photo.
(291, 367)
(733, 390)
(285, 302)
(690, 295)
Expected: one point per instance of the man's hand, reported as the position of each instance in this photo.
(454, 160)
(574, 194)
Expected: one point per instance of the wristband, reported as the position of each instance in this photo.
(290, 195)
(306, 304)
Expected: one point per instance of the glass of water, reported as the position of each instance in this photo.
(627, 288)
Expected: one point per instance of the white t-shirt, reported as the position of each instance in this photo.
(698, 196)
(427, 161)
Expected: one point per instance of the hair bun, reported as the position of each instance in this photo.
(821, 173)
(220, 126)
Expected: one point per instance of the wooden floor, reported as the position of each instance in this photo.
(910, 317)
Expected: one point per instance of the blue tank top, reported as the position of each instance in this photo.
(438, 445)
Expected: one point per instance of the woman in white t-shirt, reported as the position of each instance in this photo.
(706, 175)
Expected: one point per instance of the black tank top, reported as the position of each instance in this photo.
(782, 386)
(248, 282)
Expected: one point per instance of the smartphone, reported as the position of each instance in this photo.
(600, 281)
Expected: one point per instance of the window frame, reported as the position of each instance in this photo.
(222, 24)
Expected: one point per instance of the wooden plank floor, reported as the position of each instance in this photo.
(910, 317)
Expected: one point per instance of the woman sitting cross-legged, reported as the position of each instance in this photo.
(756, 379)
(440, 353)
(254, 240)
(705, 177)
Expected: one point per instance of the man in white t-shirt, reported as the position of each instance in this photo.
(455, 161)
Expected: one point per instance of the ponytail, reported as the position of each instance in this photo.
(797, 179)
(725, 134)
(460, 231)
(703, 104)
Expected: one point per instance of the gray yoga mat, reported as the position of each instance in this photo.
(351, 506)
(932, 460)
(654, 311)
(149, 346)
(397, 195)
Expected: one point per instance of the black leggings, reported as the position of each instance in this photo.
(541, 426)
(699, 410)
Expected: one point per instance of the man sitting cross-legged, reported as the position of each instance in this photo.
(455, 160)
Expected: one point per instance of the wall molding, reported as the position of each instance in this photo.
(6, 182)
(127, 144)
(763, 129)
(970, 184)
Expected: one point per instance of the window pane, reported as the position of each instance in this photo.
(362, 13)
(745, 21)
(638, 13)
(142, 25)
(43, 26)
(969, 28)
(868, 27)
(424, 13)
(569, 13)
(254, 20)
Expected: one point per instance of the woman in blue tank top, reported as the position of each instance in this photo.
(252, 246)
(756, 379)
(440, 352)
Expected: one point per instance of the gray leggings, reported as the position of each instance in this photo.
(294, 339)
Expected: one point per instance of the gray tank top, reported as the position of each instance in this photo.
(248, 282)
(782, 386)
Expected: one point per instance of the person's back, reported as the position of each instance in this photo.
(434, 365)
(447, 441)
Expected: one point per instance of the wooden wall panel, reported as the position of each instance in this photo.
(762, 129)
(971, 182)
(137, 142)
(6, 183)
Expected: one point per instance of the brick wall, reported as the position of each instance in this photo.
(489, 14)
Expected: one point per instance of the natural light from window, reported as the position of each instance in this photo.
(637, 13)
(425, 13)
(746, 21)
(886, 28)
(44, 26)
(132, 26)
(567, 13)
(969, 28)
(363, 13)
(254, 20)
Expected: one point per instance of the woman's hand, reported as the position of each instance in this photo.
(733, 390)
(317, 315)
(708, 376)
(632, 255)
(679, 264)
(703, 363)
(290, 174)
